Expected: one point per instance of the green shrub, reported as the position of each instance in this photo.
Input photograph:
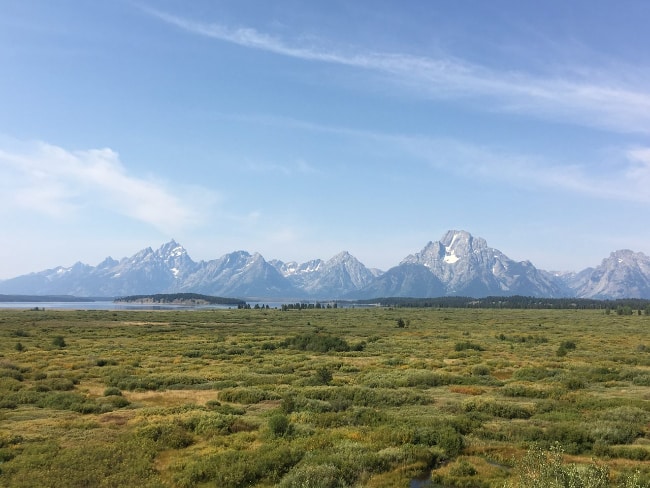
(59, 342)
(167, 436)
(611, 433)
(498, 409)
(279, 425)
(641, 379)
(323, 376)
(572, 382)
(236, 469)
(11, 373)
(633, 453)
(247, 395)
(565, 347)
(118, 401)
(545, 469)
(463, 346)
(573, 438)
(8, 404)
(462, 468)
(313, 476)
(316, 342)
(522, 391)
(450, 441)
(480, 370)
(56, 384)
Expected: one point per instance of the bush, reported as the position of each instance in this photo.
(498, 409)
(462, 468)
(59, 342)
(236, 469)
(313, 476)
(323, 376)
(480, 370)
(571, 382)
(523, 391)
(611, 433)
(641, 379)
(316, 342)
(463, 346)
(56, 384)
(247, 395)
(574, 439)
(118, 401)
(279, 425)
(545, 469)
(167, 436)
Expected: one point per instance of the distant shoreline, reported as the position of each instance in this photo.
(51, 298)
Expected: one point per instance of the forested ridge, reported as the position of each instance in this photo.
(180, 298)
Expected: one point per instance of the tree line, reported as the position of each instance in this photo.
(514, 302)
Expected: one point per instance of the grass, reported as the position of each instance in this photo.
(320, 397)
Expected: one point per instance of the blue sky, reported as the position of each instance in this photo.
(301, 129)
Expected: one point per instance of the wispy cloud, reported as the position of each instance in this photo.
(597, 100)
(624, 174)
(299, 167)
(57, 182)
(627, 178)
(638, 171)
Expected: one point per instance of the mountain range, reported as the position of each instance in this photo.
(459, 264)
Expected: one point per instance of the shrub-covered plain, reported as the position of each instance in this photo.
(324, 398)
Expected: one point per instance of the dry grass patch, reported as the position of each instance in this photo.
(466, 390)
(170, 398)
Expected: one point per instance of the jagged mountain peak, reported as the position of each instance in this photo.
(235, 256)
(627, 255)
(451, 236)
(342, 257)
(147, 251)
(460, 242)
(293, 268)
(109, 262)
(172, 249)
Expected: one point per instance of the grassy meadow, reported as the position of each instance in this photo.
(324, 398)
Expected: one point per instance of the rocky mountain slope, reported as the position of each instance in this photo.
(468, 267)
(624, 274)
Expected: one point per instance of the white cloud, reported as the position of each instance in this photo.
(595, 100)
(57, 182)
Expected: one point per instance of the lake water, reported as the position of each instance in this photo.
(109, 305)
(105, 305)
